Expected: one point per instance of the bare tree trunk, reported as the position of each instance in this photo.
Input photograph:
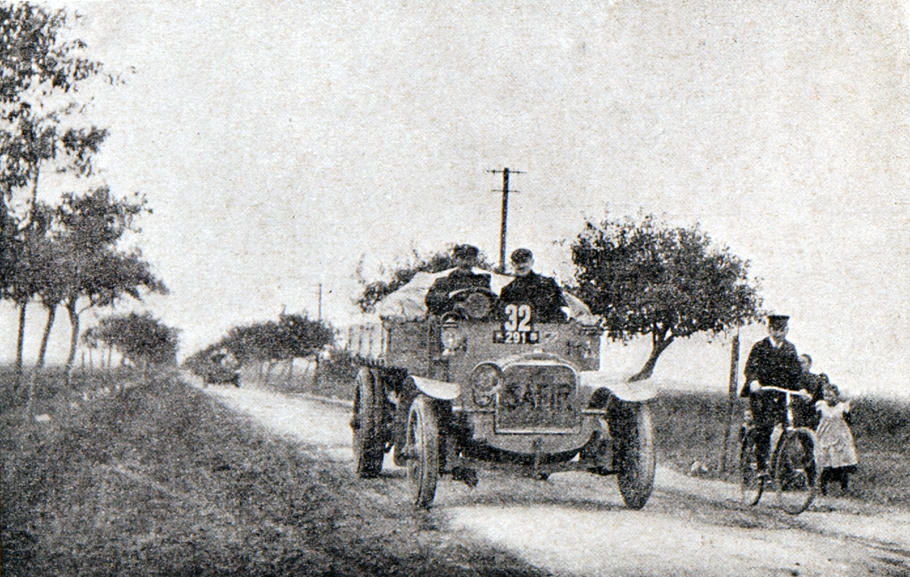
(20, 342)
(657, 347)
(74, 338)
(290, 371)
(42, 352)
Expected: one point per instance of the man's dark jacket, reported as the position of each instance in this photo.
(437, 299)
(771, 366)
(541, 292)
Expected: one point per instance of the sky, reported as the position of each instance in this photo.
(285, 145)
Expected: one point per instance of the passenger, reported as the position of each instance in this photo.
(836, 450)
(540, 292)
(772, 362)
(439, 297)
(804, 413)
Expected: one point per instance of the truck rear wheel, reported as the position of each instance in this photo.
(635, 457)
(423, 450)
(368, 446)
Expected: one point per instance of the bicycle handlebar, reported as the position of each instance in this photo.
(780, 390)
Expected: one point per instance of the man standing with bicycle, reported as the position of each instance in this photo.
(773, 361)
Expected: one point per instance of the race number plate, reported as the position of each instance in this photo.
(517, 329)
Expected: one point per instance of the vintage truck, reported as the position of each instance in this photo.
(483, 386)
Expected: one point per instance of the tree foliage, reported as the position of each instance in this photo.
(138, 337)
(40, 72)
(96, 271)
(291, 336)
(643, 277)
(374, 291)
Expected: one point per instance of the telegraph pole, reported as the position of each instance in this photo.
(505, 213)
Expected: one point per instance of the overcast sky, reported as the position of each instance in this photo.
(280, 143)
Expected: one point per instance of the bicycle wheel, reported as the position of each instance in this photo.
(751, 482)
(795, 473)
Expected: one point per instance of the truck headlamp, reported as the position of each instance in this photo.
(452, 337)
(485, 381)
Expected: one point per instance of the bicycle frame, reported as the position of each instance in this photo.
(796, 486)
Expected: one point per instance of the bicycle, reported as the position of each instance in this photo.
(792, 461)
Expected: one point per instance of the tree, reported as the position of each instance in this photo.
(95, 270)
(91, 338)
(49, 258)
(299, 336)
(292, 336)
(374, 291)
(23, 269)
(647, 278)
(40, 74)
(139, 337)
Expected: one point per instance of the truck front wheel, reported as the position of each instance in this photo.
(366, 422)
(422, 450)
(634, 453)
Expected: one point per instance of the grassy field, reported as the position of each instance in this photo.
(692, 429)
(160, 480)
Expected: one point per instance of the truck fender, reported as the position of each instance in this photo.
(439, 390)
(637, 392)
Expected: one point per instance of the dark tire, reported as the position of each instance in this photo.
(366, 423)
(795, 472)
(635, 456)
(423, 451)
(751, 483)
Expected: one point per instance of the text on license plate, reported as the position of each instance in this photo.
(536, 396)
(516, 337)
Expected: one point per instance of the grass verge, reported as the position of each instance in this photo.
(160, 480)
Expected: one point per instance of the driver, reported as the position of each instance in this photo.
(541, 292)
(439, 297)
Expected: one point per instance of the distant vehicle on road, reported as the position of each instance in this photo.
(483, 386)
(219, 368)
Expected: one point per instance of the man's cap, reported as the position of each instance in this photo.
(521, 255)
(778, 321)
(465, 251)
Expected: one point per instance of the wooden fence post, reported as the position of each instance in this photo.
(731, 398)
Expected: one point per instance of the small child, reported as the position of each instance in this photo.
(836, 450)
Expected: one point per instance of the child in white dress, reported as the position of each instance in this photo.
(836, 451)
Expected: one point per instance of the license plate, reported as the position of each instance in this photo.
(516, 337)
(535, 400)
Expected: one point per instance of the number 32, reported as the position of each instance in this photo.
(519, 318)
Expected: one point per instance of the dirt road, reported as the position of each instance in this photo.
(576, 524)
